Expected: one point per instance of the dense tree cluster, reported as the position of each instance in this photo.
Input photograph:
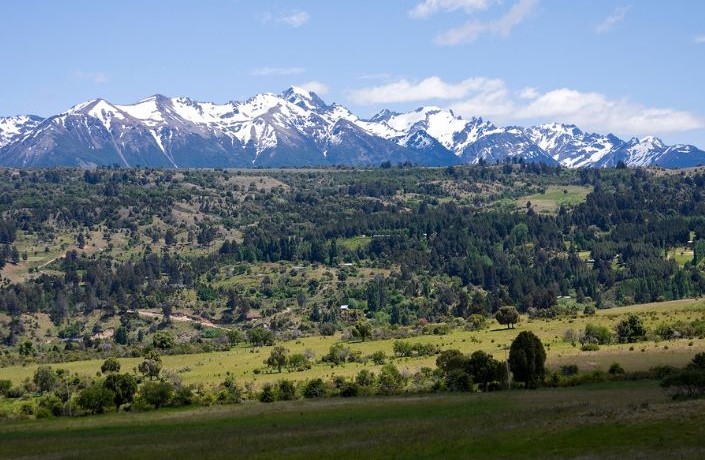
(468, 255)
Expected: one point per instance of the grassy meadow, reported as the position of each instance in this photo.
(554, 196)
(615, 420)
(246, 363)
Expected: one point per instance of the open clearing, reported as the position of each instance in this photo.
(616, 420)
(555, 196)
(244, 361)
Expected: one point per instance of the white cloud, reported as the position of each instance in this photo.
(528, 93)
(612, 20)
(315, 86)
(94, 77)
(293, 18)
(493, 102)
(699, 39)
(267, 71)
(596, 111)
(430, 7)
(470, 31)
(486, 97)
(427, 89)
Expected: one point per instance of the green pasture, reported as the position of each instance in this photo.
(354, 243)
(555, 196)
(246, 363)
(681, 255)
(616, 420)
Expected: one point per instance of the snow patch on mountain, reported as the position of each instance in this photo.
(13, 129)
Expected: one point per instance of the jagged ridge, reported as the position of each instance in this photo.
(297, 128)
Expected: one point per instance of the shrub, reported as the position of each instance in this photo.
(698, 362)
(484, 369)
(286, 390)
(183, 396)
(27, 408)
(315, 388)
(403, 348)
(571, 336)
(327, 329)
(5, 386)
(662, 371)
(124, 386)
(449, 360)
(595, 333)
(231, 392)
(424, 349)
(378, 357)
(157, 394)
(569, 369)
(45, 379)
(26, 348)
(110, 365)
(337, 354)
(390, 380)
(686, 384)
(268, 393)
(665, 331)
(259, 336)
(163, 340)
(52, 404)
(297, 362)
(95, 398)
(15, 392)
(475, 322)
(616, 369)
(365, 378)
(590, 347)
(235, 336)
(458, 380)
(631, 329)
(348, 389)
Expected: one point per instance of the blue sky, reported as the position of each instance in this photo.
(631, 68)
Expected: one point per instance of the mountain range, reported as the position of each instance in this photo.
(297, 128)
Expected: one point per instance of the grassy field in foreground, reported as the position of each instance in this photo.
(618, 420)
(242, 361)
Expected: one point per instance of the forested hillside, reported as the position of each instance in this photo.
(104, 259)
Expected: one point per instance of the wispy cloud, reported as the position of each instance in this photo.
(471, 31)
(488, 97)
(612, 20)
(699, 39)
(430, 7)
(272, 71)
(293, 18)
(94, 77)
(315, 86)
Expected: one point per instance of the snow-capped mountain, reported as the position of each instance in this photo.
(297, 128)
(572, 147)
(14, 128)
